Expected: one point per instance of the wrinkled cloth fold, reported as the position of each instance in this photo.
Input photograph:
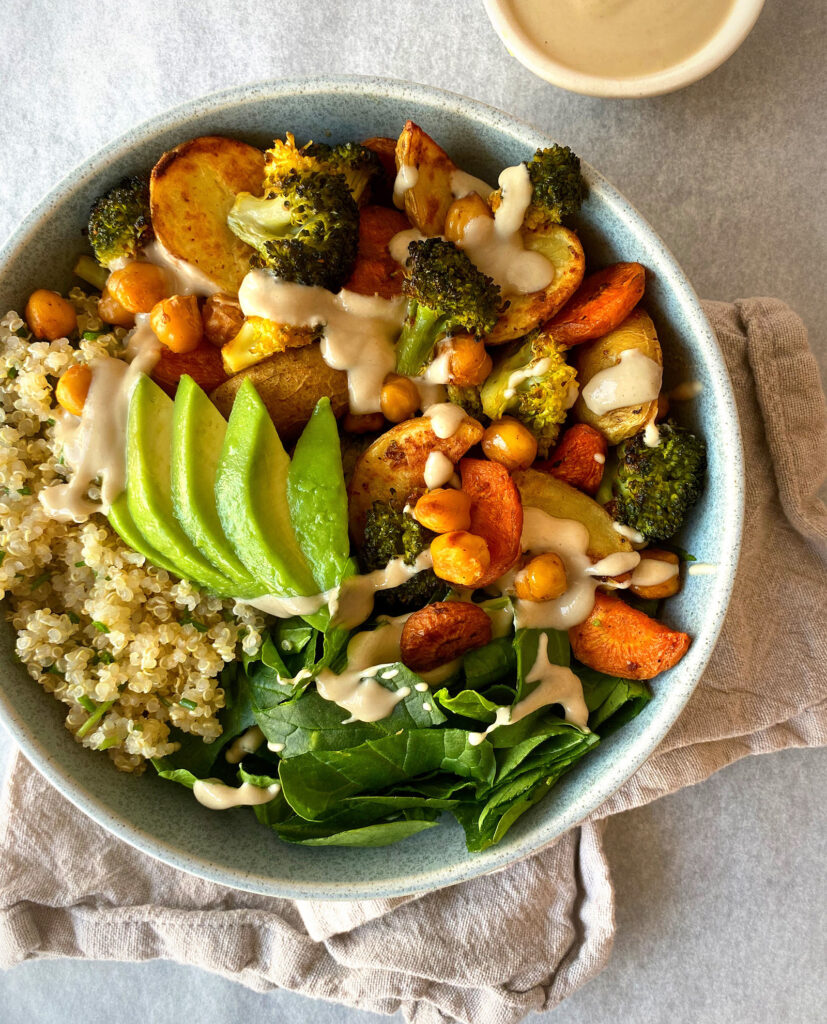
(547, 921)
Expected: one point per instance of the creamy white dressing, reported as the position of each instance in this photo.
(358, 331)
(653, 571)
(463, 184)
(247, 743)
(599, 458)
(557, 684)
(702, 569)
(218, 797)
(398, 245)
(651, 434)
(620, 38)
(445, 419)
(629, 532)
(421, 687)
(438, 470)
(406, 178)
(94, 444)
(438, 370)
(634, 380)
(519, 376)
(686, 390)
(615, 564)
(281, 607)
(185, 278)
(276, 748)
(495, 245)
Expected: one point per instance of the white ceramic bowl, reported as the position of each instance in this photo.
(733, 31)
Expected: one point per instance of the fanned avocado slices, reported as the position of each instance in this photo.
(148, 490)
(198, 431)
(251, 497)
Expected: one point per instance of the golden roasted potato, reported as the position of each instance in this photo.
(525, 312)
(428, 199)
(289, 383)
(191, 191)
(636, 331)
(393, 468)
(259, 338)
(558, 499)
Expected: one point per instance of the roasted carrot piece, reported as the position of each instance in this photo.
(621, 641)
(600, 304)
(578, 458)
(203, 364)
(496, 513)
(375, 271)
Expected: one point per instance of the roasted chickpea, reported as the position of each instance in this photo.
(50, 316)
(177, 323)
(511, 444)
(665, 587)
(138, 286)
(73, 387)
(444, 510)
(542, 579)
(112, 312)
(461, 212)
(468, 363)
(363, 422)
(399, 399)
(222, 319)
(460, 557)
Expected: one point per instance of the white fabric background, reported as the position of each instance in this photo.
(730, 171)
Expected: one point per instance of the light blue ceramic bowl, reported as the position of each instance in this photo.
(231, 848)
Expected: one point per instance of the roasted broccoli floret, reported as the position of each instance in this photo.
(534, 383)
(357, 164)
(391, 534)
(654, 488)
(468, 398)
(119, 221)
(446, 294)
(558, 188)
(305, 230)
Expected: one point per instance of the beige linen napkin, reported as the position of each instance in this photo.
(491, 950)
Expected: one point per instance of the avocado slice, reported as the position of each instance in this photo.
(251, 497)
(121, 521)
(198, 430)
(148, 492)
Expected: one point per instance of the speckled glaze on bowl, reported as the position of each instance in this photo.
(231, 848)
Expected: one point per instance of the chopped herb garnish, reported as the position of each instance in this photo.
(137, 727)
(50, 422)
(12, 372)
(78, 565)
(110, 741)
(101, 627)
(185, 702)
(87, 704)
(40, 580)
(22, 332)
(165, 702)
(92, 335)
(187, 620)
(102, 658)
(72, 618)
(94, 718)
(54, 671)
(2, 557)
(24, 490)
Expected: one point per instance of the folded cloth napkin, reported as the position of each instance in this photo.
(548, 921)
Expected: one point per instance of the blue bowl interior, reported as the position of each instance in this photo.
(163, 819)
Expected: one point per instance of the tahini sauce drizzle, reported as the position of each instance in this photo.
(185, 278)
(445, 419)
(247, 743)
(438, 470)
(557, 684)
(358, 330)
(620, 38)
(94, 444)
(633, 380)
(652, 571)
(214, 795)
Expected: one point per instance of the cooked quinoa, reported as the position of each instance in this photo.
(131, 650)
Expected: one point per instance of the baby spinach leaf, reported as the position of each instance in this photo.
(316, 783)
(527, 644)
(611, 701)
(468, 703)
(489, 664)
(381, 834)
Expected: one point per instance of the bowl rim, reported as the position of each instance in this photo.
(628, 759)
(719, 48)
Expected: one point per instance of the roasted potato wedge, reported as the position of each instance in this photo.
(289, 384)
(636, 331)
(559, 499)
(427, 201)
(260, 338)
(191, 191)
(393, 468)
(525, 312)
